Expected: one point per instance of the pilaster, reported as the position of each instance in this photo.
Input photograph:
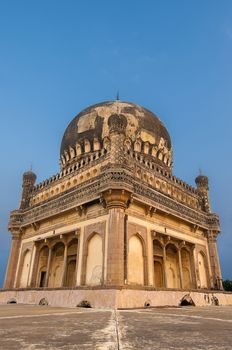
(116, 202)
(13, 259)
(214, 260)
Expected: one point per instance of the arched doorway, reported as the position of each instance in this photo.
(158, 274)
(158, 264)
(70, 278)
(186, 268)
(202, 270)
(94, 261)
(25, 269)
(71, 263)
(135, 261)
(172, 265)
(57, 262)
(42, 266)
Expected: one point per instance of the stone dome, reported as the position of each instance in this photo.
(91, 125)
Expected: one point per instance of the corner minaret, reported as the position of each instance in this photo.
(29, 179)
(117, 129)
(202, 183)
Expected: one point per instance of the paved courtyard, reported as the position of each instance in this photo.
(43, 327)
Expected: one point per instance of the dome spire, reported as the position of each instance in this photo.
(117, 96)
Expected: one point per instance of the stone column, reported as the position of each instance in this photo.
(214, 260)
(64, 265)
(180, 268)
(164, 267)
(48, 266)
(13, 260)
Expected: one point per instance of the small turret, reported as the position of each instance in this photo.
(29, 179)
(202, 183)
(117, 131)
(117, 124)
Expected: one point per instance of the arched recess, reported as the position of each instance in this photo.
(137, 146)
(202, 270)
(42, 266)
(158, 264)
(57, 262)
(94, 264)
(71, 263)
(135, 261)
(172, 267)
(25, 269)
(186, 268)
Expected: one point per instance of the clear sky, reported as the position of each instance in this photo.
(173, 57)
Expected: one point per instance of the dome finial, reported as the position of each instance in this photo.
(117, 96)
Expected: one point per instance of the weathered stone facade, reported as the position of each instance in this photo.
(115, 216)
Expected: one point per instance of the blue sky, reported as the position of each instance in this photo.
(173, 57)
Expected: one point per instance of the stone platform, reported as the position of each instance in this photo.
(28, 327)
(114, 298)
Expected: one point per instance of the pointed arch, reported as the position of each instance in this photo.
(57, 261)
(78, 149)
(72, 152)
(202, 270)
(146, 147)
(172, 266)
(136, 260)
(70, 280)
(137, 146)
(25, 268)
(94, 266)
(158, 264)
(87, 146)
(96, 144)
(186, 268)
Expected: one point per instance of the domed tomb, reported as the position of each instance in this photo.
(88, 130)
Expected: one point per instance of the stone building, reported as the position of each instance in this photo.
(115, 217)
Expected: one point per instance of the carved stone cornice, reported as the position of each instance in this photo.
(113, 179)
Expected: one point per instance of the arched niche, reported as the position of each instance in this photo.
(172, 267)
(87, 146)
(94, 260)
(202, 270)
(78, 149)
(146, 147)
(70, 280)
(25, 269)
(57, 262)
(127, 144)
(186, 268)
(135, 261)
(42, 266)
(96, 144)
(158, 264)
(137, 146)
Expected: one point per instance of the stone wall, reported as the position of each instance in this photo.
(114, 298)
